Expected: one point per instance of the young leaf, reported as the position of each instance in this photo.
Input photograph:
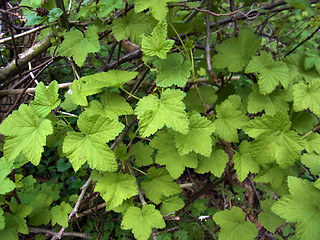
(115, 188)
(159, 185)
(157, 8)
(111, 106)
(90, 145)
(301, 206)
(306, 95)
(171, 204)
(60, 214)
(77, 46)
(141, 221)
(243, 162)
(168, 154)
(46, 99)
(271, 103)
(143, 154)
(132, 26)
(5, 169)
(26, 133)
(270, 73)
(233, 225)
(269, 219)
(229, 119)
(157, 44)
(235, 53)
(153, 113)
(215, 163)
(274, 141)
(174, 70)
(198, 139)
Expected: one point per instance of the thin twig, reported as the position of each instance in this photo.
(313, 130)
(23, 34)
(65, 234)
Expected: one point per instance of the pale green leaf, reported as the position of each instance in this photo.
(311, 161)
(169, 156)
(235, 53)
(194, 98)
(157, 8)
(111, 106)
(198, 139)
(302, 207)
(270, 73)
(313, 143)
(306, 95)
(26, 133)
(89, 145)
(60, 214)
(271, 103)
(169, 110)
(312, 60)
(132, 26)
(243, 162)
(143, 154)
(114, 188)
(215, 163)
(159, 185)
(141, 221)
(173, 70)
(269, 219)
(46, 98)
(77, 46)
(229, 119)
(171, 204)
(105, 7)
(157, 43)
(233, 225)
(6, 184)
(17, 218)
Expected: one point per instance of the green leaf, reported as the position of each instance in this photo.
(313, 143)
(302, 207)
(141, 221)
(312, 60)
(171, 204)
(17, 218)
(243, 162)
(40, 210)
(158, 9)
(26, 134)
(54, 14)
(111, 106)
(60, 214)
(159, 185)
(303, 122)
(193, 99)
(306, 95)
(89, 145)
(301, 5)
(143, 154)
(215, 163)
(6, 184)
(229, 119)
(168, 154)
(269, 219)
(233, 225)
(173, 70)
(115, 188)
(198, 139)
(270, 73)
(33, 20)
(112, 78)
(271, 103)
(235, 53)
(157, 44)
(132, 26)
(2, 221)
(311, 161)
(46, 98)
(77, 46)
(153, 113)
(274, 141)
(105, 7)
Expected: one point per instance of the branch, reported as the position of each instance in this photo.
(126, 58)
(25, 57)
(4, 40)
(67, 234)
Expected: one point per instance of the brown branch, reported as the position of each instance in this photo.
(126, 58)
(66, 234)
(4, 40)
